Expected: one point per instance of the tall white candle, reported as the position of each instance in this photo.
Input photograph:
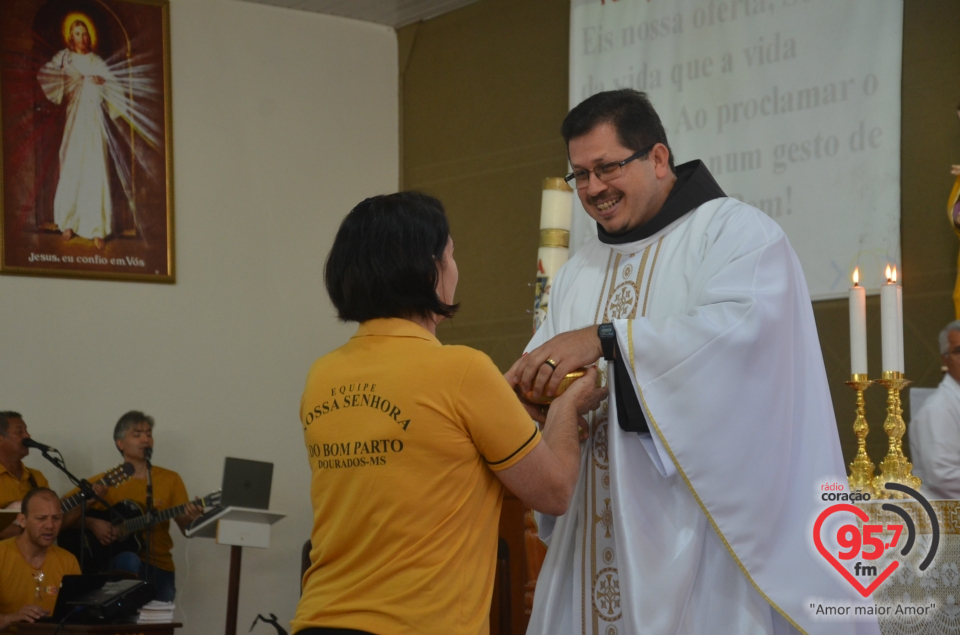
(890, 324)
(556, 204)
(902, 366)
(858, 327)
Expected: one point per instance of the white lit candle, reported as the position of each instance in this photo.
(891, 331)
(902, 365)
(858, 326)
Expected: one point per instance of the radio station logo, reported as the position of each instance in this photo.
(858, 550)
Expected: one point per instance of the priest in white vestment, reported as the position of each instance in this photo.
(700, 480)
(935, 432)
(82, 204)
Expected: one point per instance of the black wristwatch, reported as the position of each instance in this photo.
(608, 340)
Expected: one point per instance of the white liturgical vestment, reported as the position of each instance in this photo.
(704, 524)
(935, 442)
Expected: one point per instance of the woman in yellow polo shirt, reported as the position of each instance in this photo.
(411, 442)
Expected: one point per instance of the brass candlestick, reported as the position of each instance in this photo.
(862, 469)
(895, 467)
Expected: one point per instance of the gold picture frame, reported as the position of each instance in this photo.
(86, 139)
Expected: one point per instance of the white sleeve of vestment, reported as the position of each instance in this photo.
(650, 442)
(654, 447)
(935, 435)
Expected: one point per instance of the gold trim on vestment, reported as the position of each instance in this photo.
(696, 496)
(653, 265)
(606, 274)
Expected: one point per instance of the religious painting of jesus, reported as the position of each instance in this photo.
(86, 139)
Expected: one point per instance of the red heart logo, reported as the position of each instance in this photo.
(862, 515)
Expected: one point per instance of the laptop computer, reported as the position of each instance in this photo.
(85, 599)
(245, 483)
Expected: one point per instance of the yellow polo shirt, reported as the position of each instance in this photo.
(403, 437)
(13, 489)
(19, 585)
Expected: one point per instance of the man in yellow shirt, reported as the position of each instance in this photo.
(16, 479)
(31, 566)
(133, 435)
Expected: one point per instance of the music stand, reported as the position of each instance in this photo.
(238, 527)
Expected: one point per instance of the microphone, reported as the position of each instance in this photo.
(30, 443)
(148, 453)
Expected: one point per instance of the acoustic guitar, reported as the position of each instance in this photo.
(111, 478)
(132, 534)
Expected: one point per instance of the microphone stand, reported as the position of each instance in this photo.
(87, 493)
(148, 454)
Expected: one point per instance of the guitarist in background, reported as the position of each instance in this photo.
(16, 479)
(133, 435)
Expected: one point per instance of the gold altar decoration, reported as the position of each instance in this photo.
(862, 469)
(895, 467)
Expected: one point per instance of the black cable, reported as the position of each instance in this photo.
(148, 454)
(63, 622)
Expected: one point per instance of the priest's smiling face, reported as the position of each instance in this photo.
(631, 198)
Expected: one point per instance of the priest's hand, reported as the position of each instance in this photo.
(566, 352)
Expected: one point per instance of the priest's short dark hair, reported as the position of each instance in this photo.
(385, 257)
(628, 111)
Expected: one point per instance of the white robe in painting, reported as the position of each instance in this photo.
(82, 200)
(705, 526)
(935, 442)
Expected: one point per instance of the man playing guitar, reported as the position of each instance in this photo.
(133, 435)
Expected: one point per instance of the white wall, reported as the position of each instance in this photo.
(283, 120)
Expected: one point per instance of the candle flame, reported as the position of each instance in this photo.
(856, 276)
(888, 273)
(894, 274)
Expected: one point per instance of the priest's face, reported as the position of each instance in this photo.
(635, 195)
(951, 359)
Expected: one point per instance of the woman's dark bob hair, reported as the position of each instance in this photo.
(384, 260)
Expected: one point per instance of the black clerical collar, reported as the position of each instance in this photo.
(694, 187)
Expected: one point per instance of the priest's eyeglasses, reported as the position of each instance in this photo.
(605, 171)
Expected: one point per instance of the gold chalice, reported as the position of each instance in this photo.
(544, 399)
